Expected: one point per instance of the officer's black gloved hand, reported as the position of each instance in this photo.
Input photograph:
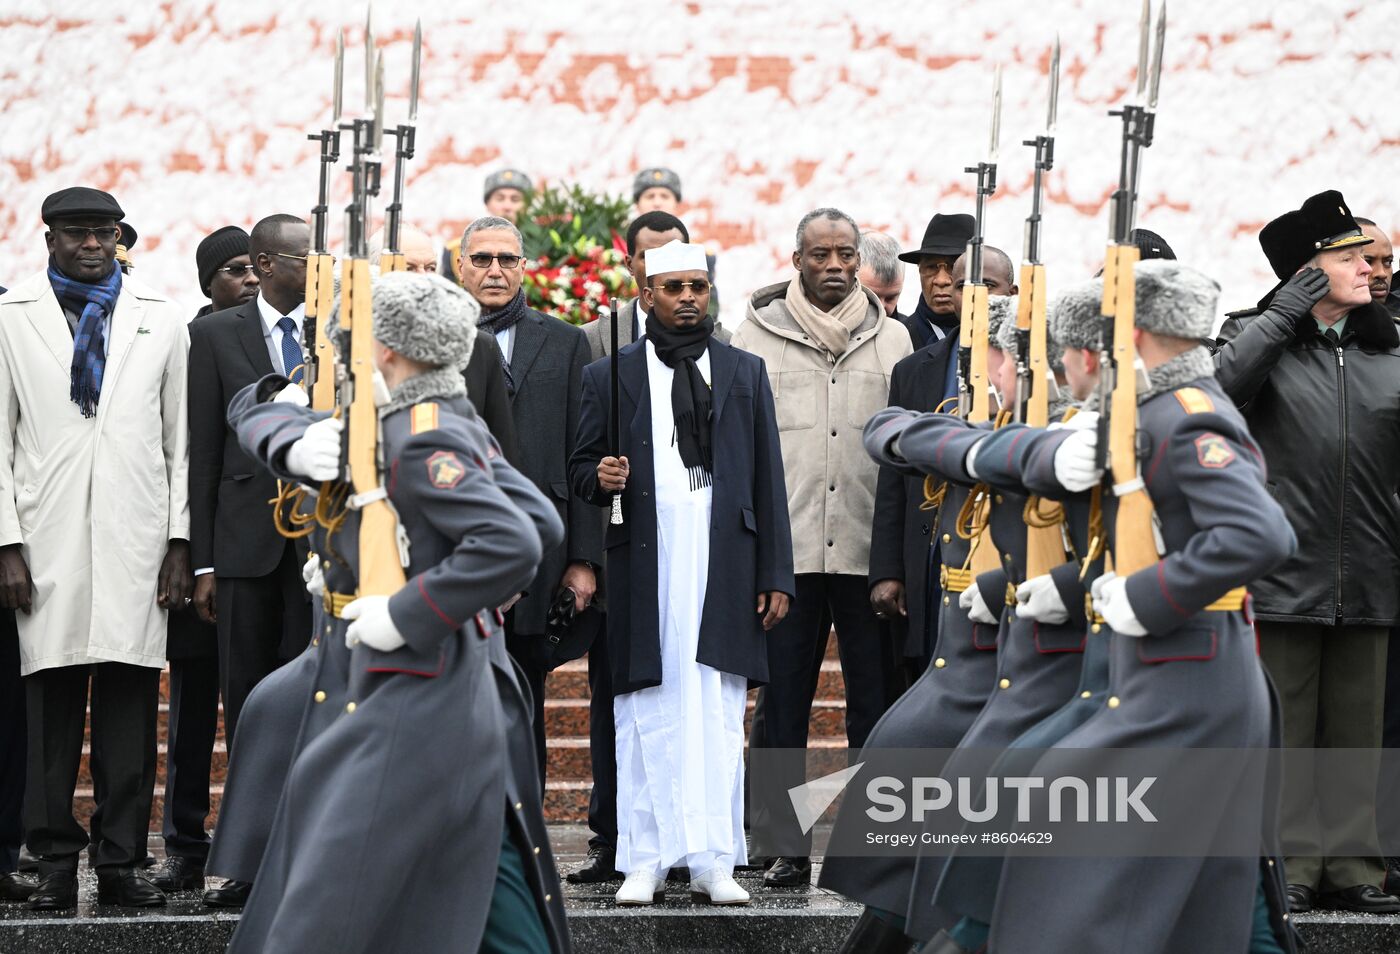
(1295, 299)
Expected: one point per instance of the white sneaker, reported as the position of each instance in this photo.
(717, 886)
(641, 887)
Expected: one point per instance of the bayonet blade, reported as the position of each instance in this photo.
(1156, 84)
(379, 102)
(1144, 32)
(339, 76)
(995, 144)
(369, 58)
(1054, 90)
(413, 80)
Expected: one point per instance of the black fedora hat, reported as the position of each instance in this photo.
(1324, 222)
(946, 235)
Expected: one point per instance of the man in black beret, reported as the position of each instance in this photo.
(93, 503)
(1316, 370)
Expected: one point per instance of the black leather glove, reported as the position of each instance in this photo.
(1296, 298)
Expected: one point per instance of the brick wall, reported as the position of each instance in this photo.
(194, 115)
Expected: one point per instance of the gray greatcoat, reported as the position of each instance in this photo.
(373, 788)
(1038, 664)
(1194, 682)
(935, 713)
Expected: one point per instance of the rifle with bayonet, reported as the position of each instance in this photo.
(974, 385)
(319, 376)
(381, 570)
(392, 259)
(1134, 538)
(1035, 382)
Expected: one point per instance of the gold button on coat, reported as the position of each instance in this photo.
(349, 707)
(1005, 683)
(1085, 694)
(939, 663)
(320, 695)
(1096, 629)
(1113, 702)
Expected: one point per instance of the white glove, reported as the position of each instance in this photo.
(970, 464)
(1074, 461)
(311, 576)
(977, 611)
(292, 394)
(317, 454)
(1110, 593)
(372, 624)
(1083, 421)
(1038, 599)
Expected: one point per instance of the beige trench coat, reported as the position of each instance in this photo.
(822, 408)
(94, 501)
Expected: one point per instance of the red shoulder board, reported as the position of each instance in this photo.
(1213, 451)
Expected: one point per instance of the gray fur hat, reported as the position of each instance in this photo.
(1001, 311)
(506, 179)
(656, 177)
(1076, 316)
(1006, 341)
(1175, 300)
(422, 316)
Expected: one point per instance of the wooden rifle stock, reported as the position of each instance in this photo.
(392, 262)
(320, 297)
(984, 553)
(1045, 547)
(381, 572)
(1134, 542)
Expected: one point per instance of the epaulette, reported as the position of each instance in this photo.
(1193, 400)
(424, 418)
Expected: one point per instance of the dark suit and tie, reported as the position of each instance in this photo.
(264, 615)
(546, 358)
(901, 546)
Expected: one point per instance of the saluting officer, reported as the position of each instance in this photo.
(426, 672)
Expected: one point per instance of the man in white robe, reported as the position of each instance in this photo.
(698, 577)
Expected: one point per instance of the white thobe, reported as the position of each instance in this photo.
(680, 745)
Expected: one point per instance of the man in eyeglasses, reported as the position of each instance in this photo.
(227, 276)
(247, 576)
(543, 360)
(94, 524)
(701, 571)
(830, 350)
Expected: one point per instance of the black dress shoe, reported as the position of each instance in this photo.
(599, 867)
(16, 887)
(28, 861)
(1364, 899)
(1301, 898)
(788, 873)
(1391, 885)
(129, 888)
(230, 894)
(178, 873)
(56, 891)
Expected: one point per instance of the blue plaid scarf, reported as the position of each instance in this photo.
(93, 303)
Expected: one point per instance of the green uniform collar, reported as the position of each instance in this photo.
(1339, 326)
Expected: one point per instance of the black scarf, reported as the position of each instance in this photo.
(923, 316)
(679, 349)
(494, 322)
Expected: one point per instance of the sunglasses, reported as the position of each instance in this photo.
(674, 286)
(79, 234)
(483, 260)
(235, 271)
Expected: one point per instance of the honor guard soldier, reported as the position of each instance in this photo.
(425, 673)
(1185, 672)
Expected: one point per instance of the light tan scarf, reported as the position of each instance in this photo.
(830, 329)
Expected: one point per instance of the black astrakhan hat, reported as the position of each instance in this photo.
(1324, 222)
(80, 201)
(946, 235)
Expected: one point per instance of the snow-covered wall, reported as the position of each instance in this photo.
(194, 115)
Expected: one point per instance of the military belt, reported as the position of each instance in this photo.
(335, 603)
(1231, 602)
(954, 580)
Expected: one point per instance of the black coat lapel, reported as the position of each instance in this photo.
(529, 340)
(250, 334)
